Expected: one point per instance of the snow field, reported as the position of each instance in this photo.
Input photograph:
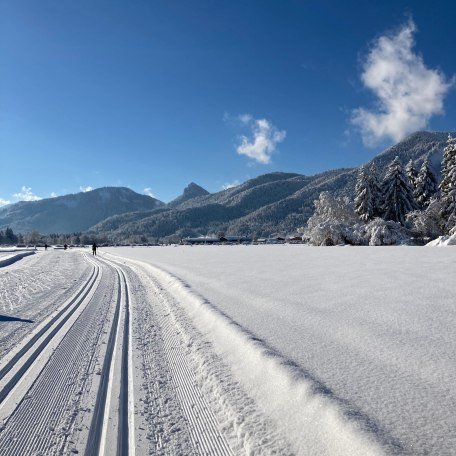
(230, 350)
(369, 331)
(307, 418)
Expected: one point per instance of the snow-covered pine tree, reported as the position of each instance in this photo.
(376, 190)
(448, 164)
(426, 185)
(364, 206)
(398, 197)
(412, 175)
(448, 185)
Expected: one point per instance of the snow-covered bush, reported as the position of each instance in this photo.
(332, 233)
(381, 232)
(333, 221)
(428, 222)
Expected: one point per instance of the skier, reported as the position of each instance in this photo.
(45, 246)
(94, 249)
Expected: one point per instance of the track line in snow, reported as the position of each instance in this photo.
(119, 339)
(12, 358)
(19, 371)
(205, 431)
(44, 422)
(126, 440)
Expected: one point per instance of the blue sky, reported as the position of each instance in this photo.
(155, 94)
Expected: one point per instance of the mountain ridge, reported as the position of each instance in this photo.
(73, 212)
(276, 202)
(271, 203)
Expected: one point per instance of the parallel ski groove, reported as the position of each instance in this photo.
(96, 426)
(124, 434)
(33, 340)
(53, 389)
(124, 437)
(77, 300)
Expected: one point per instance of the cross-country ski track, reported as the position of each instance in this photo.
(109, 355)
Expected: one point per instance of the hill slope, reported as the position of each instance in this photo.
(271, 203)
(73, 213)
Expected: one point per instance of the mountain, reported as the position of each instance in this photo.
(191, 191)
(74, 213)
(271, 203)
(260, 205)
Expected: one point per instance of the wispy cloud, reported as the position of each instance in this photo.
(85, 189)
(408, 93)
(4, 202)
(230, 184)
(262, 141)
(26, 194)
(54, 195)
(148, 191)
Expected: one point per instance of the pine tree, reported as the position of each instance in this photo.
(364, 204)
(426, 185)
(448, 185)
(10, 237)
(398, 197)
(448, 164)
(412, 175)
(376, 191)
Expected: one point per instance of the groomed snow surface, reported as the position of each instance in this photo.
(229, 350)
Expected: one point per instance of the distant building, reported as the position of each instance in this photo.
(294, 239)
(216, 240)
(201, 240)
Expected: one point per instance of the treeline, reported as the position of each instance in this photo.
(8, 237)
(407, 205)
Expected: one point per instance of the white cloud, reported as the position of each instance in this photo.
(263, 141)
(4, 202)
(245, 118)
(148, 191)
(408, 92)
(86, 189)
(26, 194)
(54, 195)
(230, 185)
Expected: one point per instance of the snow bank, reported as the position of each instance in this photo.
(442, 241)
(7, 259)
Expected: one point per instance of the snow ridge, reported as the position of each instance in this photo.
(10, 259)
(309, 415)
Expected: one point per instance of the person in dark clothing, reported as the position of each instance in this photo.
(65, 246)
(94, 249)
(45, 246)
